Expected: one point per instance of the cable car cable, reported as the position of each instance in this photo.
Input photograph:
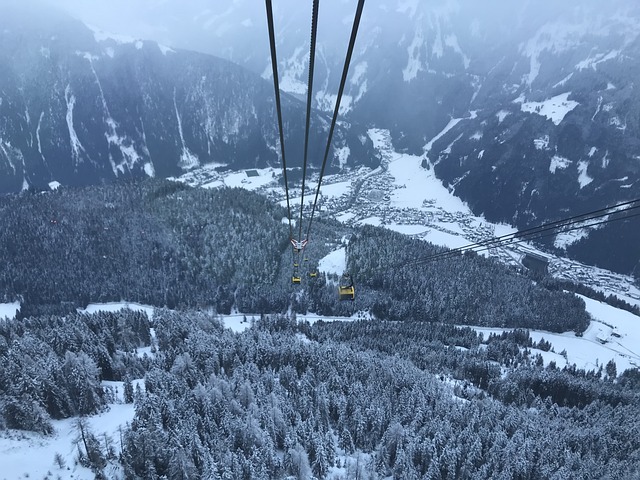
(533, 234)
(312, 55)
(343, 81)
(517, 242)
(496, 241)
(276, 85)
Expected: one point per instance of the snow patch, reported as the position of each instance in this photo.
(116, 307)
(164, 49)
(562, 82)
(452, 123)
(149, 170)
(343, 155)
(565, 239)
(502, 114)
(542, 143)
(583, 178)
(102, 36)
(359, 73)
(334, 262)
(555, 109)
(414, 63)
(558, 162)
(327, 102)
(593, 61)
(335, 190)
(452, 42)
(76, 146)
(188, 160)
(9, 310)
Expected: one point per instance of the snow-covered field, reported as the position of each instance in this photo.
(555, 109)
(117, 306)
(612, 334)
(9, 310)
(31, 455)
(334, 262)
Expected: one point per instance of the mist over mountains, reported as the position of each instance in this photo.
(80, 106)
(526, 110)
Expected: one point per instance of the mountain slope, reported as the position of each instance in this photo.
(526, 110)
(79, 107)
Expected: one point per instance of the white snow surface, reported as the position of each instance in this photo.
(417, 184)
(239, 322)
(445, 239)
(558, 162)
(117, 306)
(76, 146)
(334, 189)
(415, 52)
(452, 123)
(563, 240)
(31, 455)
(583, 178)
(9, 310)
(541, 143)
(334, 262)
(502, 114)
(555, 108)
(587, 352)
(188, 159)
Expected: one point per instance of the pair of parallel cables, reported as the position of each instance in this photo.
(620, 211)
(301, 242)
(586, 220)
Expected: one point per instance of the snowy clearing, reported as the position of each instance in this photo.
(239, 322)
(116, 307)
(31, 455)
(445, 239)
(612, 334)
(9, 310)
(416, 185)
(334, 189)
(335, 262)
(555, 108)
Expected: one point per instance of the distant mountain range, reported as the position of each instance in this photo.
(525, 110)
(79, 106)
(528, 111)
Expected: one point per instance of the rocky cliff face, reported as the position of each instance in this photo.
(78, 107)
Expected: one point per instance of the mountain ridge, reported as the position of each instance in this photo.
(83, 107)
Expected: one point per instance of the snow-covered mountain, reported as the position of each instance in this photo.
(79, 106)
(525, 110)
